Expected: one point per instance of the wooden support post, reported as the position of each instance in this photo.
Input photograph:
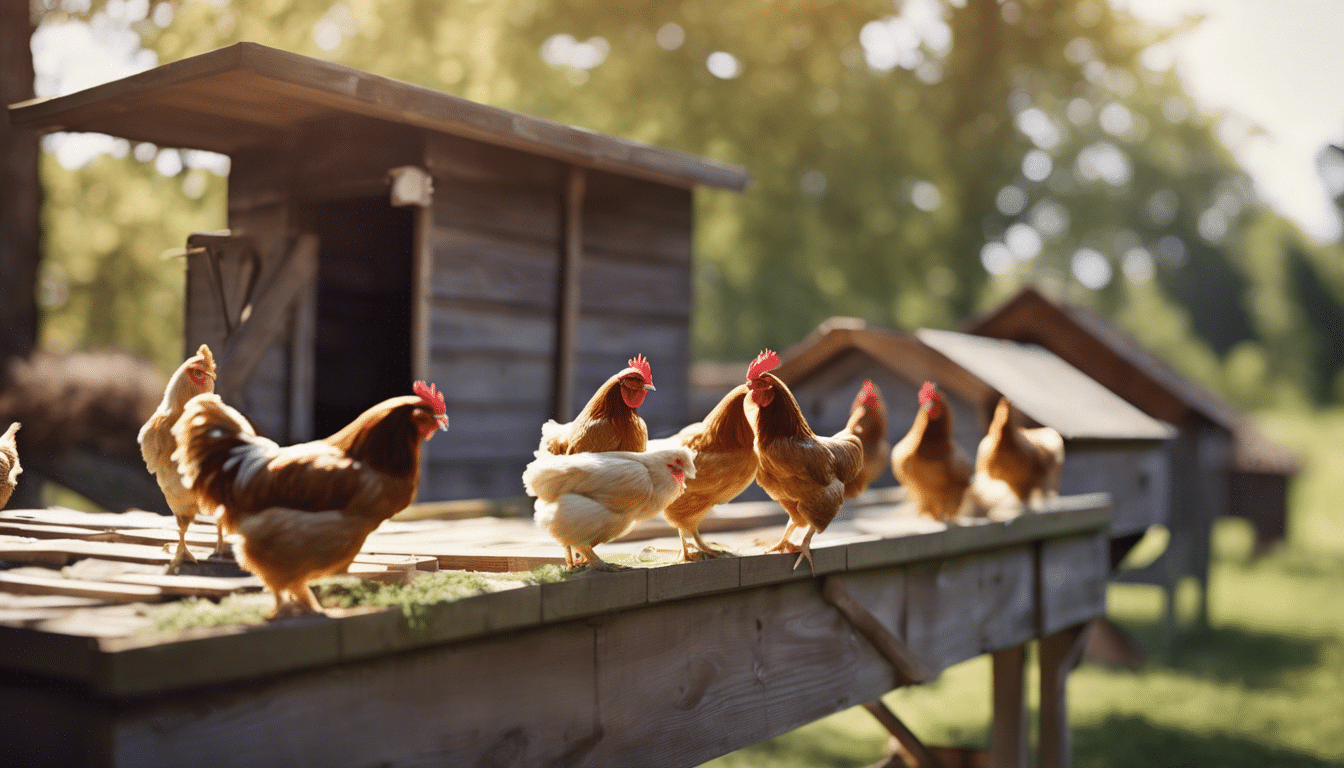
(1060, 653)
(422, 296)
(303, 366)
(909, 669)
(266, 318)
(567, 304)
(1008, 739)
(904, 736)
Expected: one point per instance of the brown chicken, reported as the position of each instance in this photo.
(304, 511)
(805, 473)
(609, 422)
(934, 470)
(194, 377)
(1028, 461)
(9, 464)
(725, 463)
(869, 416)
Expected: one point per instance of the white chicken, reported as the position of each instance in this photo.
(586, 499)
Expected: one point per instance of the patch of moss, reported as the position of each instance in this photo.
(196, 612)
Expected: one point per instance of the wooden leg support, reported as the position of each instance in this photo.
(1060, 653)
(908, 741)
(1008, 738)
(909, 669)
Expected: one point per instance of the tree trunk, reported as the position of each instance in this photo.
(20, 191)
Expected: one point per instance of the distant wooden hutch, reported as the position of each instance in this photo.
(1220, 463)
(1111, 446)
(382, 232)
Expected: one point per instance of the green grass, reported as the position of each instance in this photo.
(1263, 685)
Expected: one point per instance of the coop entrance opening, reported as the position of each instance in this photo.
(362, 350)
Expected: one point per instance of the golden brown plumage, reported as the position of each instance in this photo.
(304, 511)
(195, 376)
(934, 470)
(725, 464)
(609, 422)
(868, 417)
(802, 471)
(9, 464)
(1028, 461)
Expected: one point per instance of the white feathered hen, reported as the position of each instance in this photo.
(586, 499)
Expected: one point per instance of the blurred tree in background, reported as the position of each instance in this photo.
(912, 162)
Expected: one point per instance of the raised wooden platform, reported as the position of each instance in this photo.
(669, 665)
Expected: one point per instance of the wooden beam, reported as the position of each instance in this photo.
(422, 279)
(1060, 652)
(1008, 735)
(909, 669)
(265, 319)
(303, 365)
(904, 736)
(567, 304)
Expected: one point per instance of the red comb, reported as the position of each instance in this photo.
(430, 395)
(928, 393)
(640, 364)
(869, 394)
(766, 361)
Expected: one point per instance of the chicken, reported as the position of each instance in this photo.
(725, 464)
(194, 377)
(304, 511)
(934, 470)
(591, 498)
(609, 422)
(1028, 461)
(805, 473)
(869, 415)
(9, 464)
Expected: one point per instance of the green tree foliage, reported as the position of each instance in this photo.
(912, 162)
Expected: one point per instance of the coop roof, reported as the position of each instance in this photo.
(1047, 389)
(1119, 362)
(249, 95)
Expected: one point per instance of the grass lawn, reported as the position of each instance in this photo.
(1262, 686)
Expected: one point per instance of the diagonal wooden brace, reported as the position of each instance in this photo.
(904, 736)
(909, 669)
(266, 317)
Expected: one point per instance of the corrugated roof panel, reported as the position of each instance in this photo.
(1047, 389)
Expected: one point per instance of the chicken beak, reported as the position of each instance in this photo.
(443, 422)
(650, 388)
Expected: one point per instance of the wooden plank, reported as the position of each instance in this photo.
(959, 608)
(462, 558)
(466, 722)
(688, 681)
(60, 552)
(490, 433)
(909, 668)
(593, 593)
(1073, 573)
(698, 578)
(1060, 652)
(41, 531)
(197, 586)
(527, 214)
(487, 267)
(635, 287)
(569, 297)
(449, 156)
(279, 289)
(1009, 744)
(26, 584)
(303, 366)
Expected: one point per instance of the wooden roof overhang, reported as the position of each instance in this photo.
(1123, 365)
(248, 95)
(1047, 389)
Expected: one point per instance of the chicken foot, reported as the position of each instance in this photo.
(784, 544)
(595, 563)
(805, 550)
(703, 550)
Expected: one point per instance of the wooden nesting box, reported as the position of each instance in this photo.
(382, 232)
(1110, 446)
(1219, 462)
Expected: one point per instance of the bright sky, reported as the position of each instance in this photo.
(1280, 65)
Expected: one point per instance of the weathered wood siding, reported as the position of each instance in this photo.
(1136, 475)
(493, 291)
(635, 292)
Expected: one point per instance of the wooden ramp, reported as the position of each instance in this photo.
(671, 664)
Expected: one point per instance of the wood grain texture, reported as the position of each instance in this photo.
(1072, 573)
(1009, 741)
(909, 668)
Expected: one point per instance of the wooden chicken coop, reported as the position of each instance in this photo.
(381, 232)
(1219, 463)
(1110, 446)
